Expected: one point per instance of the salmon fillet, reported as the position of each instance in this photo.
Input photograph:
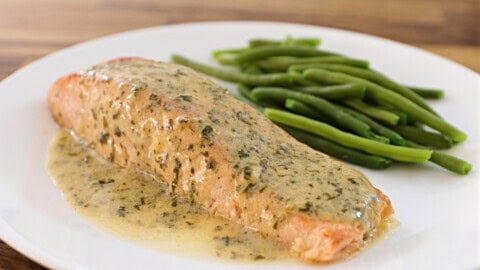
(210, 149)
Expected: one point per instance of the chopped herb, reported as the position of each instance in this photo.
(176, 172)
(264, 163)
(94, 114)
(306, 207)
(243, 154)
(243, 116)
(225, 240)
(212, 163)
(153, 97)
(185, 98)
(249, 187)
(207, 134)
(351, 180)
(121, 211)
(258, 257)
(248, 173)
(117, 131)
(275, 225)
(106, 181)
(104, 137)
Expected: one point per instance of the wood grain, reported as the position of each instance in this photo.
(31, 29)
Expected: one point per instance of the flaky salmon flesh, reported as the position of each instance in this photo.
(170, 122)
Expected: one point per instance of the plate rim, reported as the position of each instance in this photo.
(25, 247)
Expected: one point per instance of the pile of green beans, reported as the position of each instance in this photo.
(336, 104)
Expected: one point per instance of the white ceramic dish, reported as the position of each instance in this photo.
(438, 211)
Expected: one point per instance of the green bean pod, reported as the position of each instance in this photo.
(282, 63)
(342, 119)
(384, 96)
(259, 42)
(394, 137)
(263, 52)
(227, 56)
(233, 76)
(427, 92)
(335, 92)
(374, 112)
(381, 80)
(251, 69)
(446, 161)
(338, 151)
(424, 137)
(347, 139)
(303, 109)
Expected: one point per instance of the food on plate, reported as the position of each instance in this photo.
(132, 206)
(339, 102)
(214, 151)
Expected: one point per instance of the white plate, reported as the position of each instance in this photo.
(437, 210)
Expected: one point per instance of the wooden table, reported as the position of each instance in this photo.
(31, 29)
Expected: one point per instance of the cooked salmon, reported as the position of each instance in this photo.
(170, 122)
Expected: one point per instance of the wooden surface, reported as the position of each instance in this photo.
(30, 29)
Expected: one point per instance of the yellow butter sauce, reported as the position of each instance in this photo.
(134, 206)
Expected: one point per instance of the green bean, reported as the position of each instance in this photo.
(227, 56)
(310, 42)
(251, 69)
(233, 76)
(263, 52)
(303, 109)
(403, 118)
(394, 137)
(427, 92)
(384, 96)
(342, 119)
(446, 161)
(347, 139)
(282, 63)
(338, 151)
(381, 80)
(374, 112)
(226, 59)
(335, 92)
(424, 137)
(300, 80)
(228, 51)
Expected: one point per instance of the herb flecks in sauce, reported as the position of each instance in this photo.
(134, 206)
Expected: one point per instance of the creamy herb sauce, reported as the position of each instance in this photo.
(134, 206)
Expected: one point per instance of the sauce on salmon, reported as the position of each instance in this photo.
(135, 207)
